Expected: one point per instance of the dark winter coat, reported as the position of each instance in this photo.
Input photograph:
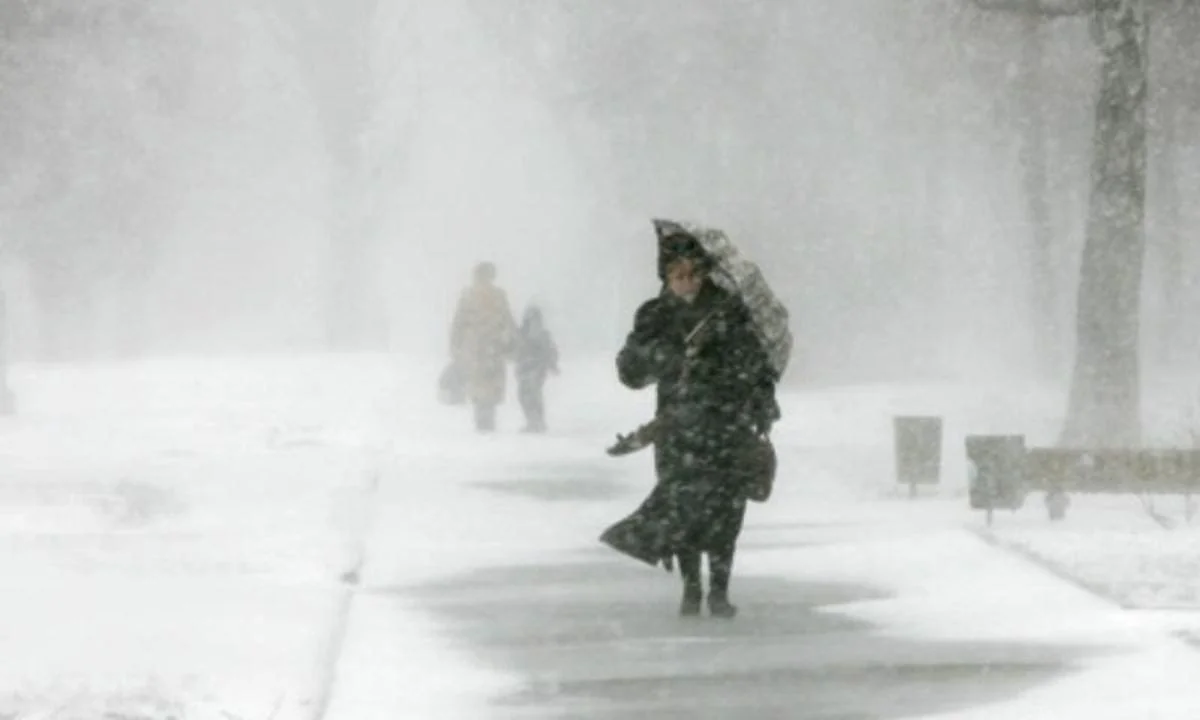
(715, 394)
(537, 354)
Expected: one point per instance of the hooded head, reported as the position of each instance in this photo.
(681, 246)
(532, 319)
(485, 273)
(683, 265)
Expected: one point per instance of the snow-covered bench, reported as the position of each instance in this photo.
(1003, 470)
(1058, 471)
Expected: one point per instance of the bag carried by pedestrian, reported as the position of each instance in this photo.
(452, 385)
(756, 467)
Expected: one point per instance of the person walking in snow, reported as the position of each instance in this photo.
(715, 398)
(482, 334)
(537, 357)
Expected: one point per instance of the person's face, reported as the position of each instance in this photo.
(684, 279)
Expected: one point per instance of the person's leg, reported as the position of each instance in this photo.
(485, 417)
(537, 404)
(720, 568)
(720, 559)
(524, 397)
(693, 590)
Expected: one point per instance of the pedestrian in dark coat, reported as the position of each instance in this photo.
(716, 394)
(537, 357)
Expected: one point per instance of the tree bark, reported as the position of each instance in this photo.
(1104, 403)
(1169, 238)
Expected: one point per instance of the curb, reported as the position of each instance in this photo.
(350, 584)
(1054, 569)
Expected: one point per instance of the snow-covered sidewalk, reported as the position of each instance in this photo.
(470, 605)
(172, 534)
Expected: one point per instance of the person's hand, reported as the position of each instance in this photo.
(649, 320)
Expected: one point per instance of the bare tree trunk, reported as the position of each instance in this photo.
(333, 48)
(353, 291)
(1047, 324)
(65, 311)
(353, 308)
(1104, 404)
(1169, 237)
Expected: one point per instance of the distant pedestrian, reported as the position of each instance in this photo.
(537, 357)
(482, 335)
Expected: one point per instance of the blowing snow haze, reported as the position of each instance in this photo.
(221, 177)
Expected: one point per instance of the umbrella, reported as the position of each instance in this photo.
(735, 274)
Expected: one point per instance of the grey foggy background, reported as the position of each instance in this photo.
(864, 152)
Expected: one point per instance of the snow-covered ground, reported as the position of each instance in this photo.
(173, 534)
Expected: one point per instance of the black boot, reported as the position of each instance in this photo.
(537, 412)
(720, 607)
(720, 566)
(693, 590)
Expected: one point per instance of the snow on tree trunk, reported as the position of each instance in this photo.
(1104, 403)
(1170, 239)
